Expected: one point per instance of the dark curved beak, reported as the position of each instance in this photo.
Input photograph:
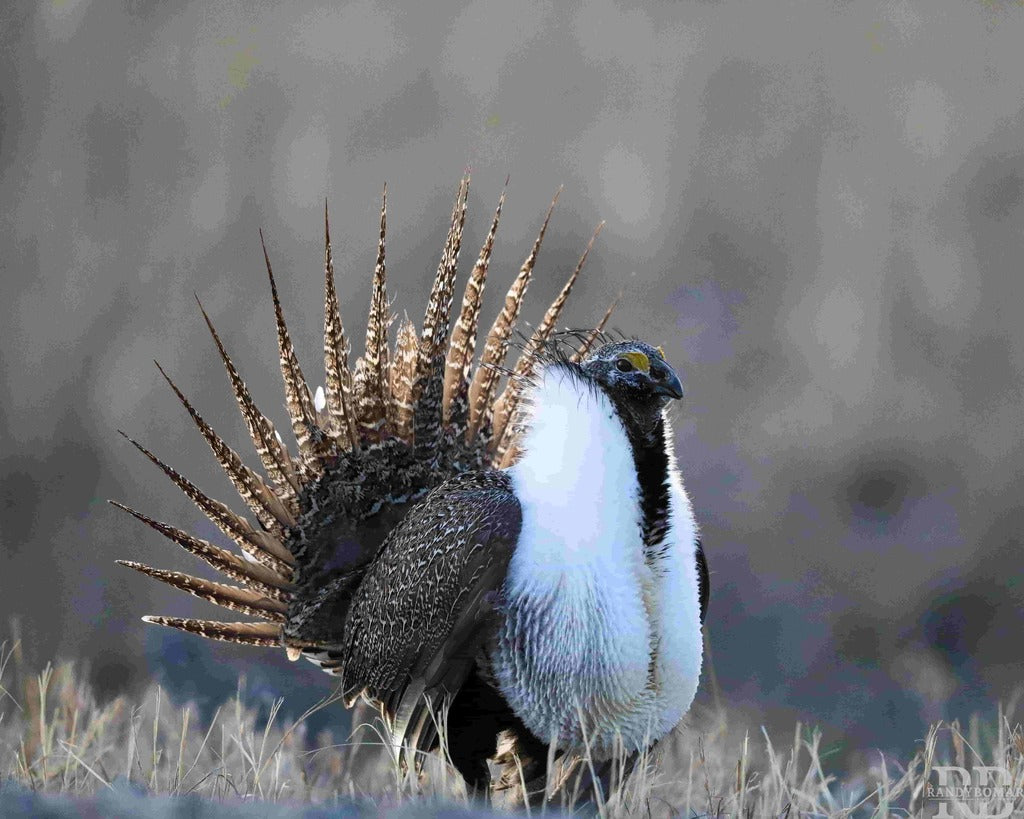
(669, 386)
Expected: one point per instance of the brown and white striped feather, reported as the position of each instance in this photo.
(253, 634)
(507, 450)
(485, 381)
(403, 378)
(341, 419)
(296, 391)
(505, 406)
(261, 546)
(233, 598)
(259, 497)
(428, 389)
(594, 334)
(254, 575)
(463, 343)
(272, 452)
(372, 394)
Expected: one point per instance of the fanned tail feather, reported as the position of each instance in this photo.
(485, 381)
(591, 338)
(253, 634)
(403, 378)
(428, 388)
(340, 411)
(255, 575)
(269, 447)
(460, 352)
(296, 391)
(507, 402)
(233, 598)
(372, 387)
(260, 498)
(261, 546)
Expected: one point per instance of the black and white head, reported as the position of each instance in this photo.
(636, 377)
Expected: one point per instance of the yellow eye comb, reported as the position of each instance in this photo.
(638, 360)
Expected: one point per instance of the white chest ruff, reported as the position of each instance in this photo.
(590, 628)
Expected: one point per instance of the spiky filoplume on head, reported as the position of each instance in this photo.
(390, 429)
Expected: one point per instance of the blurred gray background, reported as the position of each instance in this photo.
(817, 208)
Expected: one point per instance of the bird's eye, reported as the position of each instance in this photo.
(624, 365)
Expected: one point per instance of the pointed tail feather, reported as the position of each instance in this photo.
(463, 343)
(340, 410)
(372, 394)
(403, 377)
(233, 598)
(594, 334)
(485, 381)
(296, 391)
(507, 402)
(254, 575)
(507, 450)
(262, 546)
(428, 389)
(269, 447)
(267, 507)
(253, 634)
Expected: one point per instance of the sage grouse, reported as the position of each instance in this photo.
(525, 558)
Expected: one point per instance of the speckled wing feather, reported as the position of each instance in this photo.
(419, 617)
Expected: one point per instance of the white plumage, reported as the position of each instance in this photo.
(590, 627)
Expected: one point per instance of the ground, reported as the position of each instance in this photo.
(59, 746)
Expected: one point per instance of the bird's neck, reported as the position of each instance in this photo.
(582, 447)
(648, 435)
(577, 477)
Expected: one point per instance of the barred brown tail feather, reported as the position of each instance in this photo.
(267, 507)
(338, 378)
(371, 381)
(269, 446)
(253, 574)
(484, 385)
(463, 342)
(505, 406)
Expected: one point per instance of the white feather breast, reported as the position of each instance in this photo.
(590, 628)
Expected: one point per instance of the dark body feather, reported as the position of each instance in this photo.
(422, 609)
(703, 581)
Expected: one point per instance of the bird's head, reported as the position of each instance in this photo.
(634, 375)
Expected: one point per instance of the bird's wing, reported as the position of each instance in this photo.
(703, 582)
(423, 610)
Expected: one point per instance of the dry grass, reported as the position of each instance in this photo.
(55, 738)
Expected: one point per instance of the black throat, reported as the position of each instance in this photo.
(646, 434)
